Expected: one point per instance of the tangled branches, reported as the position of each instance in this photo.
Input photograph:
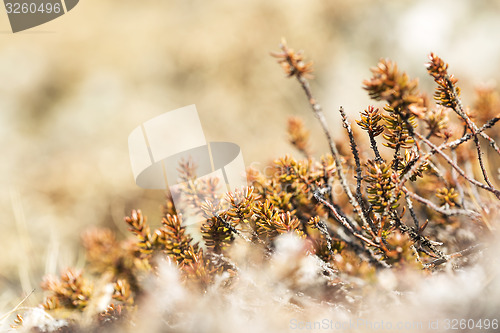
(412, 201)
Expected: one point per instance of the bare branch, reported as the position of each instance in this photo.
(444, 211)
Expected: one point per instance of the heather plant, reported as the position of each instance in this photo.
(412, 194)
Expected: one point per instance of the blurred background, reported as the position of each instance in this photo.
(73, 89)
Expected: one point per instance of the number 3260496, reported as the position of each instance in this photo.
(471, 324)
(32, 8)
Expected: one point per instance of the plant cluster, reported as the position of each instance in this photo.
(410, 198)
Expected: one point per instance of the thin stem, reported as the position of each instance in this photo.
(412, 211)
(438, 173)
(435, 149)
(421, 239)
(354, 150)
(336, 155)
(219, 258)
(373, 145)
(239, 233)
(458, 108)
(481, 163)
(360, 250)
(396, 156)
(444, 211)
(359, 177)
(473, 192)
(324, 231)
(342, 220)
(460, 254)
(468, 136)
(17, 306)
(455, 180)
(492, 142)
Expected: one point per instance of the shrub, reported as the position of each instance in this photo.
(327, 229)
